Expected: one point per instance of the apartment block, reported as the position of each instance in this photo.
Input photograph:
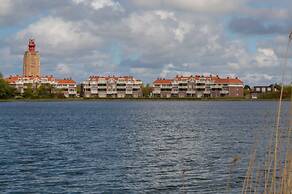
(111, 87)
(67, 87)
(198, 86)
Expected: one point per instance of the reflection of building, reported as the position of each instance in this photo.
(112, 86)
(198, 87)
(66, 87)
(31, 61)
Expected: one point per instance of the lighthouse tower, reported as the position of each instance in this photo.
(31, 61)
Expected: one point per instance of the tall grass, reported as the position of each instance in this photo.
(274, 174)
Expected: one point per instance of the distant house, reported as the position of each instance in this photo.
(262, 89)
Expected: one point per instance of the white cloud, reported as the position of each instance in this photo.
(233, 66)
(5, 7)
(57, 36)
(165, 15)
(64, 69)
(260, 78)
(266, 57)
(100, 4)
(182, 29)
(213, 6)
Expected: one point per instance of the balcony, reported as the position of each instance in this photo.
(156, 91)
(121, 82)
(166, 86)
(111, 92)
(200, 81)
(101, 87)
(121, 87)
(191, 91)
(200, 87)
(216, 86)
(224, 92)
(136, 86)
(94, 91)
(207, 92)
(101, 82)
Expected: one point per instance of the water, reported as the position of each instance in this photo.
(128, 146)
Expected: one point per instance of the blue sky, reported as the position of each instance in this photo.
(148, 38)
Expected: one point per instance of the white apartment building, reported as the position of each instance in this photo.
(67, 87)
(198, 87)
(111, 87)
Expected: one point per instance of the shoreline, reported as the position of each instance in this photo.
(133, 99)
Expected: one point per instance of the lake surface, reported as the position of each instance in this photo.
(129, 146)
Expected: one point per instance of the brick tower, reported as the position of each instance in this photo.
(31, 61)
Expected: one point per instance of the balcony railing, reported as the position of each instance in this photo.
(191, 91)
(224, 92)
(216, 87)
(200, 87)
(200, 81)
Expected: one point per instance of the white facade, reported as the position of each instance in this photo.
(67, 86)
(112, 86)
(197, 87)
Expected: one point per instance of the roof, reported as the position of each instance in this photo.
(163, 81)
(227, 80)
(65, 81)
(216, 79)
(12, 79)
(96, 78)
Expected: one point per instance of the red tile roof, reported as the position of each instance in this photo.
(96, 78)
(65, 81)
(12, 79)
(163, 81)
(227, 80)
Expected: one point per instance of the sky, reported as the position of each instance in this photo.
(148, 38)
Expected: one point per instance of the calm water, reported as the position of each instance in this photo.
(128, 146)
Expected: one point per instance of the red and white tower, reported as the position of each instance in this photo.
(31, 61)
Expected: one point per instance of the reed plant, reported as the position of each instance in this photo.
(274, 174)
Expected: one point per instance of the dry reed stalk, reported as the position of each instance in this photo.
(286, 168)
(276, 147)
(257, 181)
(274, 154)
(268, 165)
(246, 183)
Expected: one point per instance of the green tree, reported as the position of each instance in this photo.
(247, 87)
(28, 92)
(6, 91)
(146, 90)
(45, 91)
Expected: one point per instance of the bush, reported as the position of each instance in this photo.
(6, 91)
